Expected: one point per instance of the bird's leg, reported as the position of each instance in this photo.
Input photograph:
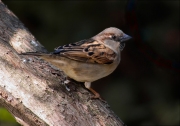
(88, 86)
(65, 82)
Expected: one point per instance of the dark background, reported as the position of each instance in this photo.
(144, 89)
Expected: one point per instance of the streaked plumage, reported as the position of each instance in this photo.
(90, 59)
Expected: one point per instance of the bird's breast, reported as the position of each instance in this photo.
(87, 72)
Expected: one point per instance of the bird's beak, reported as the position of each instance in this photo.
(125, 37)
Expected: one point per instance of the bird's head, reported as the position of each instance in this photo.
(110, 36)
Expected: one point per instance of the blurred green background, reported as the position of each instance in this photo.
(144, 89)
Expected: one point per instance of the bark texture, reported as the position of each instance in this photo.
(31, 88)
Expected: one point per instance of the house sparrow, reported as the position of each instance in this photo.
(90, 59)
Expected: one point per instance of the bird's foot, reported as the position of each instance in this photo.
(96, 95)
(65, 83)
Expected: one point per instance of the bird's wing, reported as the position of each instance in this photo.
(88, 50)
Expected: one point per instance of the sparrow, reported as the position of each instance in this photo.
(90, 59)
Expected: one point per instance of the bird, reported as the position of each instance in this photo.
(90, 59)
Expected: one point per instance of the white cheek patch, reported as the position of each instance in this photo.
(112, 45)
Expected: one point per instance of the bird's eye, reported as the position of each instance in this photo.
(113, 37)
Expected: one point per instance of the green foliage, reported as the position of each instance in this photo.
(6, 116)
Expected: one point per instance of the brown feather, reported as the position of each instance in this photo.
(89, 51)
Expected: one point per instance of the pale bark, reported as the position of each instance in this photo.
(31, 88)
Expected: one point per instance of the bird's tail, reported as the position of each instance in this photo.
(54, 59)
(50, 57)
(45, 56)
(36, 54)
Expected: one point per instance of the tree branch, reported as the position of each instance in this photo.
(31, 89)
